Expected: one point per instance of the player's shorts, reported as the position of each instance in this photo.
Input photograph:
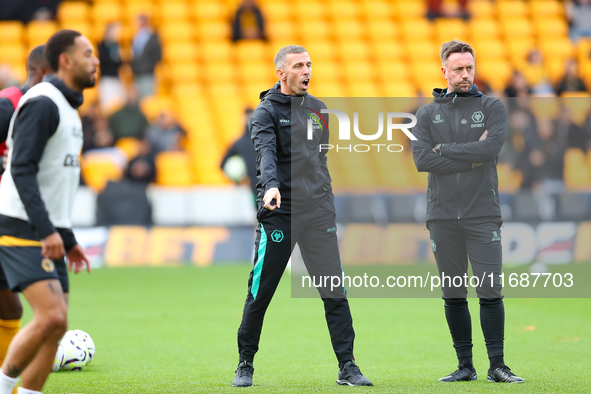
(21, 260)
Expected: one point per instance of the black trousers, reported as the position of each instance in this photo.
(276, 236)
(454, 242)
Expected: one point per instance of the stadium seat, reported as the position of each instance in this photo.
(343, 9)
(98, 171)
(173, 11)
(518, 50)
(551, 27)
(348, 29)
(210, 10)
(364, 89)
(13, 53)
(103, 13)
(393, 70)
(184, 73)
(218, 72)
(546, 8)
(320, 51)
(362, 71)
(516, 28)
(38, 32)
(328, 89)
(173, 169)
(490, 48)
(72, 11)
(219, 30)
(385, 51)
(133, 9)
(484, 28)
(12, 32)
(179, 52)
(557, 48)
(308, 9)
(353, 48)
(496, 72)
(481, 9)
(447, 29)
(251, 50)
(555, 69)
(280, 29)
(410, 9)
(577, 173)
(512, 9)
(175, 32)
(381, 30)
(416, 29)
(314, 29)
(130, 146)
(278, 11)
(256, 71)
(216, 51)
(421, 50)
(376, 10)
(152, 106)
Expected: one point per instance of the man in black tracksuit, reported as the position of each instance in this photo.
(296, 205)
(459, 136)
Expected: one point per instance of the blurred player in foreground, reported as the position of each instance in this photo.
(11, 309)
(296, 205)
(459, 136)
(36, 197)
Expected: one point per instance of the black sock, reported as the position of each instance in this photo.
(496, 362)
(466, 362)
(341, 365)
(492, 320)
(460, 326)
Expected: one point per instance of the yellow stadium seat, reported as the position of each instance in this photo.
(490, 48)
(320, 51)
(219, 30)
(133, 9)
(556, 47)
(18, 70)
(278, 11)
(518, 49)
(283, 29)
(219, 72)
(364, 89)
(514, 28)
(256, 71)
(171, 12)
(375, 10)
(184, 91)
(306, 9)
(509, 179)
(83, 27)
(98, 171)
(555, 69)
(577, 172)
(481, 9)
(184, 72)
(484, 28)
(387, 50)
(153, 106)
(410, 9)
(359, 71)
(13, 53)
(251, 50)
(343, 9)
(179, 52)
(419, 50)
(314, 29)
(210, 10)
(356, 49)
(216, 51)
(446, 29)
(12, 31)
(495, 72)
(400, 88)
(221, 91)
(104, 13)
(546, 8)
(72, 11)
(177, 31)
(551, 27)
(326, 71)
(38, 32)
(382, 30)
(348, 29)
(416, 29)
(129, 145)
(173, 169)
(328, 89)
(393, 70)
(429, 70)
(512, 9)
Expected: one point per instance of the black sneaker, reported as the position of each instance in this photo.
(503, 374)
(462, 374)
(244, 374)
(351, 375)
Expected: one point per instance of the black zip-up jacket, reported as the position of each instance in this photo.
(286, 159)
(460, 188)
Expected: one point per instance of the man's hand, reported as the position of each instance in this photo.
(272, 193)
(52, 247)
(483, 136)
(77, 257)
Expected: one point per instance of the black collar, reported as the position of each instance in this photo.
(74, 98)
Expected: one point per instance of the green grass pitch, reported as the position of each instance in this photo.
(173, 330)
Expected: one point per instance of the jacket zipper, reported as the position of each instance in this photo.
(458, 174)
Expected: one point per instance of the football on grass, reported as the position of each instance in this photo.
(86, 339)
(75, 354)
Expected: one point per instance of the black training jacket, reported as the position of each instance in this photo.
(286, 159)
(459, 188)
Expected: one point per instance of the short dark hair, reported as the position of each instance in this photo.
(454, 46)
(283, 52)
(57, 44)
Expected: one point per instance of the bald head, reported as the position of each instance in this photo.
(37, 66)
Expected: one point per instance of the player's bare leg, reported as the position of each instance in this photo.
(11, 311)
(40, 335)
